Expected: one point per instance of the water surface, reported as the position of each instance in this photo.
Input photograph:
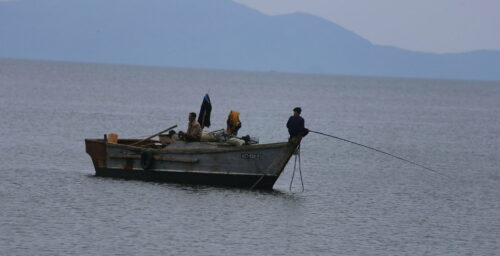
(356, 202)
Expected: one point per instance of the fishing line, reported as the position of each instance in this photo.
(380, 151)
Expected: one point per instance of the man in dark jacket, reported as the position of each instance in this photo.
(295, 124)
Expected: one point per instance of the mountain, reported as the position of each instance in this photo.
(217, 34)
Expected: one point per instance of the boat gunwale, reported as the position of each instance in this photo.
(196, 151)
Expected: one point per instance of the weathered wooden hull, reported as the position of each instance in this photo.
(214, 179)
(251, 166)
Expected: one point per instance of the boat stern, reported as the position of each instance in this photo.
(96, 148)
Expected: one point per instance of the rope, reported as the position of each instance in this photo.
(300, 170)
(380, 151)
(258, 181)
(293, 173)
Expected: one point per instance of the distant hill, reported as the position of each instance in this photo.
(213, 34)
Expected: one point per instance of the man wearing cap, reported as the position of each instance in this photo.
(295, 124)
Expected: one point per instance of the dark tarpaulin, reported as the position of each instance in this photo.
(205, 110)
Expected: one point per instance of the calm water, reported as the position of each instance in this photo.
(356, 202)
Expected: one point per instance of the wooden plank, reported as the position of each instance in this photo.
(125, 156)
(156, 134)
(176, 159)
(157, 157)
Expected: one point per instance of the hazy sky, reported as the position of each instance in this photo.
(421, 25)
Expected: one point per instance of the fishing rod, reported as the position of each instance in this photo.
(380, 151)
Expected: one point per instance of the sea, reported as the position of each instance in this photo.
(355, 201)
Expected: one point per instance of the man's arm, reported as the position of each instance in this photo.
(288, 124)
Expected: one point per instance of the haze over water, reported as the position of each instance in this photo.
(356, 202)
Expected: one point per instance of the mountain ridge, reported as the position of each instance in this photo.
(218, 34)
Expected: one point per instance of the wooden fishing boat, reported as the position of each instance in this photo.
(211, 163)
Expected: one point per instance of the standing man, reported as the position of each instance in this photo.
(193, 132)
(295, 124)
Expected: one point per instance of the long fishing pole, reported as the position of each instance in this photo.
(380, 151)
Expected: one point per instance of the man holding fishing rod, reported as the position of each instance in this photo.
(295, 124)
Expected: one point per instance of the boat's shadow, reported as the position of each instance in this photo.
(200, 188)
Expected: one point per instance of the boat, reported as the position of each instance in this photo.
(252, 166)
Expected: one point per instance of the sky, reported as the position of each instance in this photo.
(438, 26)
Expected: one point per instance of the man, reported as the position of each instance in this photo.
(193, 132)
(295, 124)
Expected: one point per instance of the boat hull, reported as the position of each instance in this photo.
(212, 179)
(250, 166)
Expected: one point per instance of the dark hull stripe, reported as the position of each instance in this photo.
(226, 180)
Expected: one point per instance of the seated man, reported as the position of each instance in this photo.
(193, 132)
(295, 124)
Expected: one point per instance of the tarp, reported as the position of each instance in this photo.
(205, 110)
(233, 122)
